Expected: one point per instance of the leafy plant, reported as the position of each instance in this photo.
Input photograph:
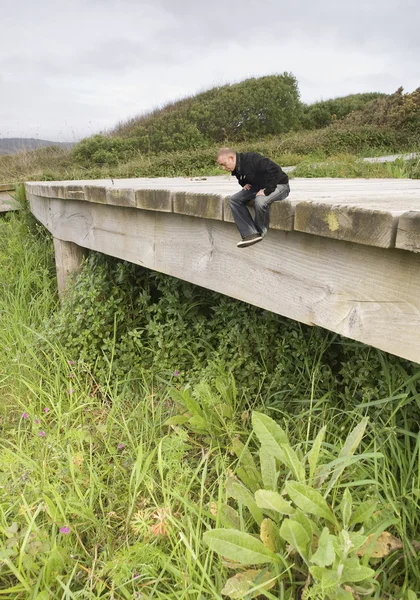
(309, 529)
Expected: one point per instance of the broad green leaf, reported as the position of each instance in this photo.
(241, 494)
(247, 472)
(268, 469)
(411, 595)
(341, 594)
(314, 452)
(177, 420)
(270, 434)
(353, 571)
(326, 577)
(324, 556)
(239, 546)
(291, 460)
(296, 536)
(310, 527)
(184, 397)
(274, 441)
(345, 508)
(198, 424)
(229, 517)
(240, 585)
(309, 500)
(363, 512)
(273, 501)
(357, 539)
(269, 534)
(350, 445)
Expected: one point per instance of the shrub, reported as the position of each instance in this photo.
(101, 150)
(247, 110)
(324, 113)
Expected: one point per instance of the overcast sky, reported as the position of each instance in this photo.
(70, 68)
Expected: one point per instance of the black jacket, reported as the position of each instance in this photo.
(257, 170)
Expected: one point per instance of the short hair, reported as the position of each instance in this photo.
(224, 151)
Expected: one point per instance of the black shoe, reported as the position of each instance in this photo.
(248, 240)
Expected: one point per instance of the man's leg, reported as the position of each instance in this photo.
(242, 216)
(262, 206)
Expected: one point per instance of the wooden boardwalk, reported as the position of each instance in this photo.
(6, 200)
(341, 253)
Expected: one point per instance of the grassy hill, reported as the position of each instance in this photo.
(261, 114)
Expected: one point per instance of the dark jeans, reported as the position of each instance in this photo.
(243, 219)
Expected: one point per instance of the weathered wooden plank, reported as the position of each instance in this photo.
(408, 232)
(149, 199)
(7, 187)
(350, 223)
(365, 293)
(7, 202)
(207, 206)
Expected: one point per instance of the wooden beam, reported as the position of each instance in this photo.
(68, 260)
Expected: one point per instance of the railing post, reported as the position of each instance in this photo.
(68, 260)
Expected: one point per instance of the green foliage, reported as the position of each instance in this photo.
(324, 113)
(398, 111)
(324, 545)
(100, 149)
(253, 108)
(207, 411)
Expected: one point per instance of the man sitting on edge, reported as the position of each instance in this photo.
(263, 181)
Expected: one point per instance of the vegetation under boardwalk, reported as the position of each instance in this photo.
(368, 290)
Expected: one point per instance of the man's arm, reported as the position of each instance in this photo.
(273, 171)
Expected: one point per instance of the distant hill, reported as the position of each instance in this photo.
(13, 145)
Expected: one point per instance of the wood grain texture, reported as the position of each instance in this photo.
(206, 206)
(350, 223)
(365, 293)
(7, 187)
(408, 233)
(68, 260)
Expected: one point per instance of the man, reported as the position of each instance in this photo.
(263, 181)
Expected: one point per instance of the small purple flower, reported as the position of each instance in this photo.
(70, 391)
(7, 348)
(71, 375)
(120, 446)
(25, 415)
(46, 410)
(65, 530)
(176, 373)
(42, 433)
(37, 421)
(70, 362)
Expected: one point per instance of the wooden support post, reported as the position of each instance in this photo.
(68, 260)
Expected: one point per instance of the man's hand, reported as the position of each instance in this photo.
(247, 186)
(260, 193)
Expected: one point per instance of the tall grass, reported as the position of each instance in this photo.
(102, 496)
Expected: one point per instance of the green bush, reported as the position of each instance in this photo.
(103, 150)
(247, 110)
(324, 113)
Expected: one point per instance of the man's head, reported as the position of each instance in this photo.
(226, 158)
